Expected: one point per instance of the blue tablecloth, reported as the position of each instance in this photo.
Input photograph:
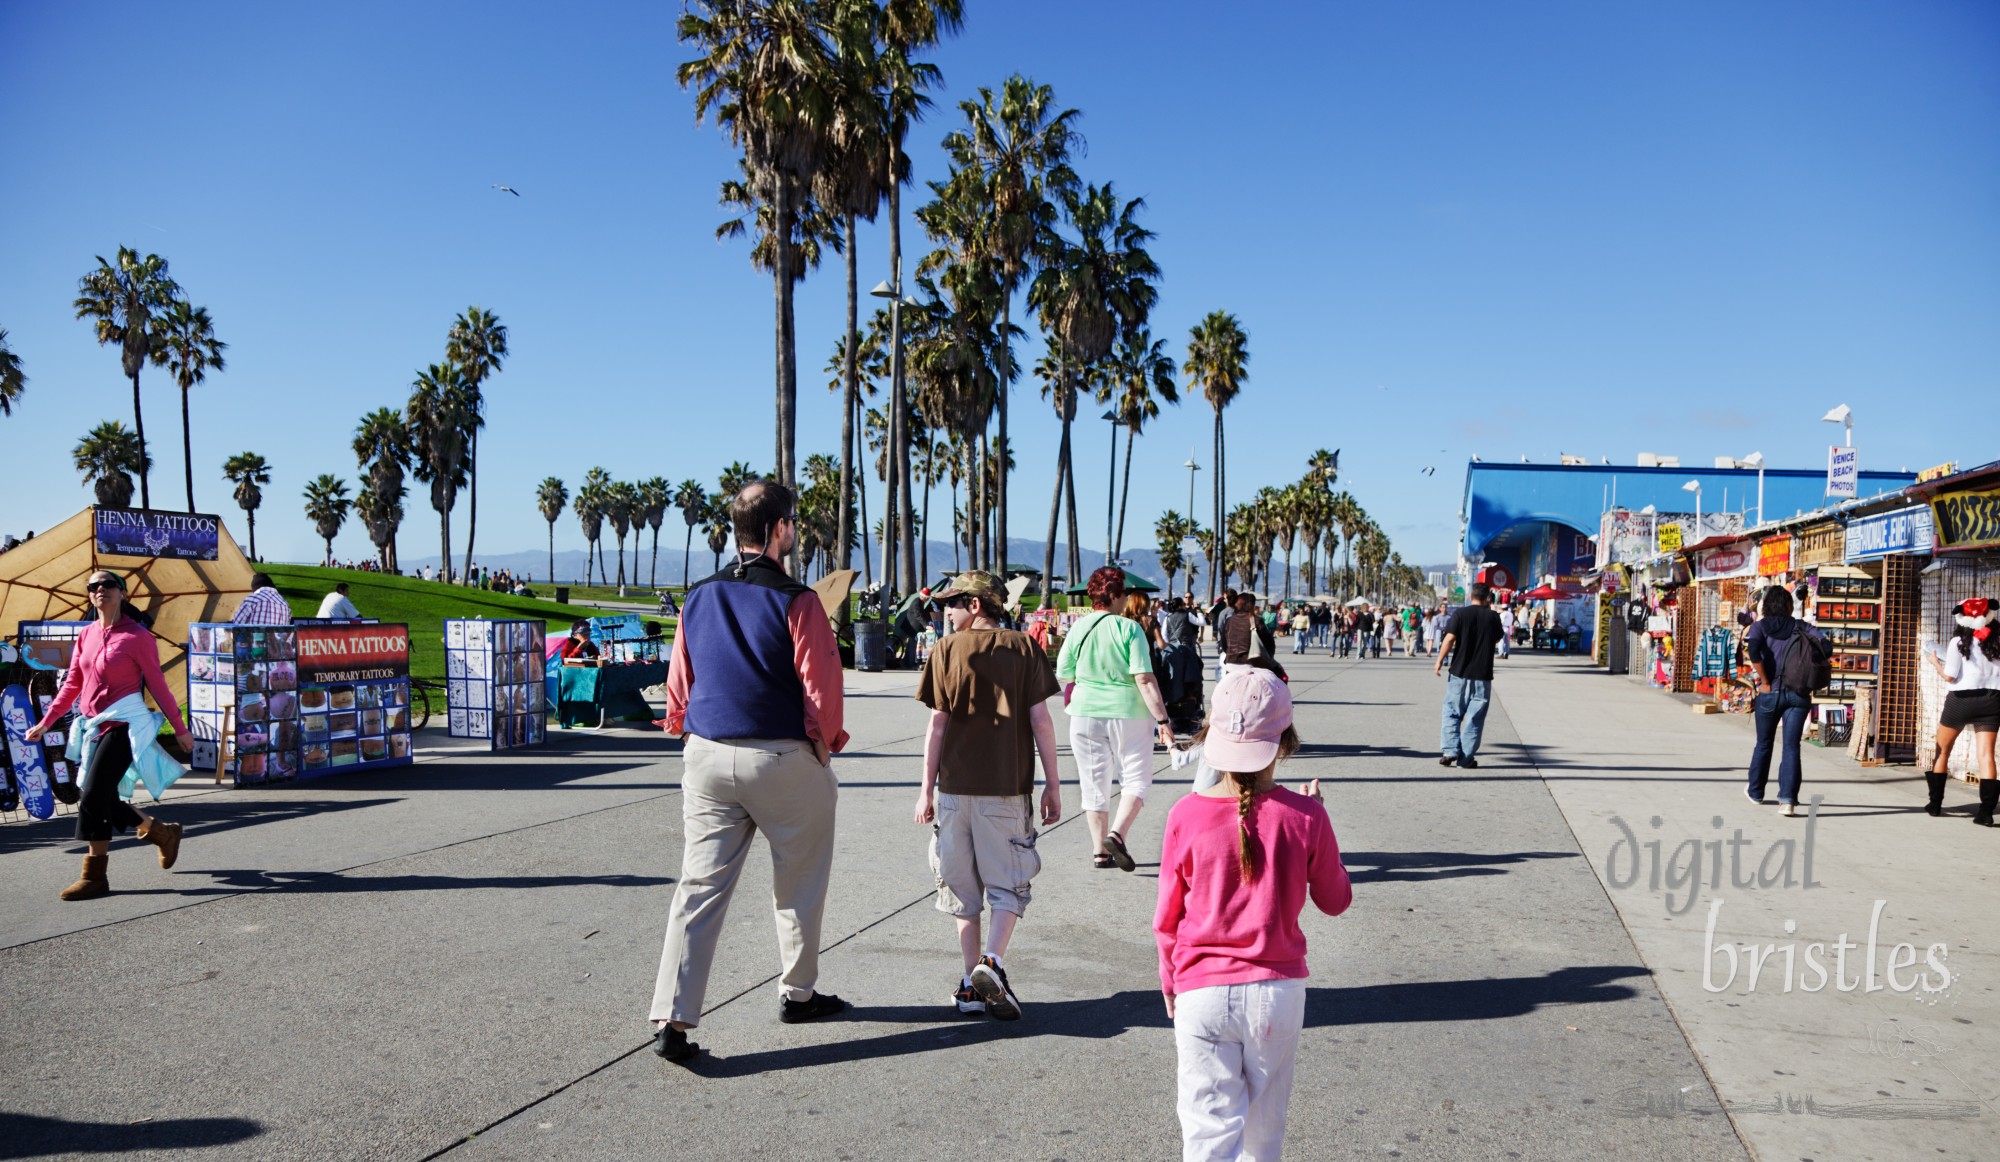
(614, 690)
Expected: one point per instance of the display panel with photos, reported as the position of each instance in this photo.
(308, 700)
(494, 681)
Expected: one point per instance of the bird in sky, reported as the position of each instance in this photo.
(1431, 470)
(507, 189)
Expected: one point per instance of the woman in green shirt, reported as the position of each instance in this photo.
(1115, 712)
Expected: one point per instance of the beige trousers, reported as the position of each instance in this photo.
(731, 789)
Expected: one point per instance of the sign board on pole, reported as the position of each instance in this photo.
(1670, 537)
(1843, 471)
(143, 532)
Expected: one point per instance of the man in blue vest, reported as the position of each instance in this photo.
(755, 689)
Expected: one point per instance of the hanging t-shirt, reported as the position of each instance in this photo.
(1102, 655)
(987, 680)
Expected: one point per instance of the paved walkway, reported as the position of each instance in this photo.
(456, 959)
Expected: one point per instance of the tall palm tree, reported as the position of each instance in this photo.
(125, 300)
(477, 342)
(732, 481)
(327, 503)
(1348, 514)
(1168, 532)
(655, 495)
(1017, 150)
(766, 71)
(382, 450)
(189, 349)
(108, 456)
(1091, 287)
(591, 506)
(1322, 469)
(718, 530)
(625, 509)
(1138, 370)
(858, 361)
(1217, 365)
(439, 415)
(249, 472)
(692, 500)
(13, 382)
(550, 497)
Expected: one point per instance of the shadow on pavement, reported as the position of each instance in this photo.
(203, 818)
(1102, 1019)
(28, 1136)
(234, 880)
(1419, 866)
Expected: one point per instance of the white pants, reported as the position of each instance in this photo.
(1237, 1045)
(1107, 746)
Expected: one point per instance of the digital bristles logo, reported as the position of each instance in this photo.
(1697, 865)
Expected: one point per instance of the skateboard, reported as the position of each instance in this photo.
(30, 772)
(61, 774)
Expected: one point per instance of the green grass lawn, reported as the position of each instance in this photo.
(422, 605)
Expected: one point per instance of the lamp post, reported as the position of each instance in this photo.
(1192, 468)
(1694, 486)
(1756, 460)
(1111, 417)
(1844, 416)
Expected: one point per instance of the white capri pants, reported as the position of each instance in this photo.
(1107, 746)
(1237, 1045)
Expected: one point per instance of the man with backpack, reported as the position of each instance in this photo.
(1792, 661)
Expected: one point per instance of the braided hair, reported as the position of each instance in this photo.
(1246, 799)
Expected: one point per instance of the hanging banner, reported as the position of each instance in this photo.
(1890, 534)
(1737, 560)
(1774, 556)
(144, 532)
(353, 653)
(1843, 472)
(1966, 520)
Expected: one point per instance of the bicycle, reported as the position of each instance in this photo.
(421, 690)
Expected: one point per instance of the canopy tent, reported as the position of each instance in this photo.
(42, 580)
(1133, 584)
(833, 589)
(1357, 603)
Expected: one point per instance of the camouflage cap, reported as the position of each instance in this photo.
(975, 583)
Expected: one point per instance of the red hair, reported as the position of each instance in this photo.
(1106, 586)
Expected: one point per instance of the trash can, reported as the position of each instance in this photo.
(562, 595)
(871, 645)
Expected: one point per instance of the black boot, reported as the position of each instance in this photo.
(1989, 798)
(1935, 807)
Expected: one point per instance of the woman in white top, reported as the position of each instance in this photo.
(1970, 661)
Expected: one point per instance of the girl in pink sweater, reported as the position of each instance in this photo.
(1237, 863)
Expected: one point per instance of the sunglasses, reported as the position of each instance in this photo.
(959, 602)
(94, 586)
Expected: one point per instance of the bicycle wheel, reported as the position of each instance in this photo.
(420, 706)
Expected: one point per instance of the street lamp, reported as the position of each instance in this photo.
(1755, 460)
(1844, 416)
(1192, 468)
(1694, 486)
(1111, 417)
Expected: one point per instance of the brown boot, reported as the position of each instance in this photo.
(93, 882)
(165, 836)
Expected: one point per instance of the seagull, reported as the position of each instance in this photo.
(508, 189)
(1431, 471)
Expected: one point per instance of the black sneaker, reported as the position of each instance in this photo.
(1447, 760)
(1469, 763)
(821, 1005)
(989, 980)
(673, 1044)
(967, 1000)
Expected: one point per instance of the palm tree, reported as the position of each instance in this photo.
(654, 497)
(718, 530)
(1138, 369)
(477, 342)
(326, 506)
(1310, 515)
(189, 349)
(439, 415)
(1017, 150)
(125, 299)
(857, 362)
(107, 457)
(1345, 512)
(1168, 532)
(13, 382)
(732, 481)
(1322, 469)
(1060, 387)
(692, 500)
(382, 450)
(1217, 361)
(249, 472)
(591, 506)
(1090, 289)
(764, 67)
(625, 509)
(550, 497)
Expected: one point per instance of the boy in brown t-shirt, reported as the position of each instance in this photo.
(986, 687)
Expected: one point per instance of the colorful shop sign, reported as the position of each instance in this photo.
(1890, 534)
(1670, 536)
(143, 532)
(1774, 556)
(1732, 560)
(1967, 520)
(353, 653)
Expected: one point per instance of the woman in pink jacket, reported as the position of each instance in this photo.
(115, 657)
(1237, 863)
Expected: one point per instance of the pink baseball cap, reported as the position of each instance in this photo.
(1246, 718)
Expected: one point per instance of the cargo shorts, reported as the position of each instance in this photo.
(983, 852)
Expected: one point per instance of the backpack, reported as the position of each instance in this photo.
(1802, 666)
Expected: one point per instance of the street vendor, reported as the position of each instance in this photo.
(579, 650)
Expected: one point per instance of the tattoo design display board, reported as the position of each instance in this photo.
(47, 648)
(309, 700)
(495, 681)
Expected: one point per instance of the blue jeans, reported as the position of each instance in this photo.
(1465, 703)
(1788, 707)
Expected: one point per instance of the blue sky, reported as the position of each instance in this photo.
(1450, 229)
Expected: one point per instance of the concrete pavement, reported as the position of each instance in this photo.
(456, 959)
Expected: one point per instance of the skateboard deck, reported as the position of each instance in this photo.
(61, 775)
(30, 772)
